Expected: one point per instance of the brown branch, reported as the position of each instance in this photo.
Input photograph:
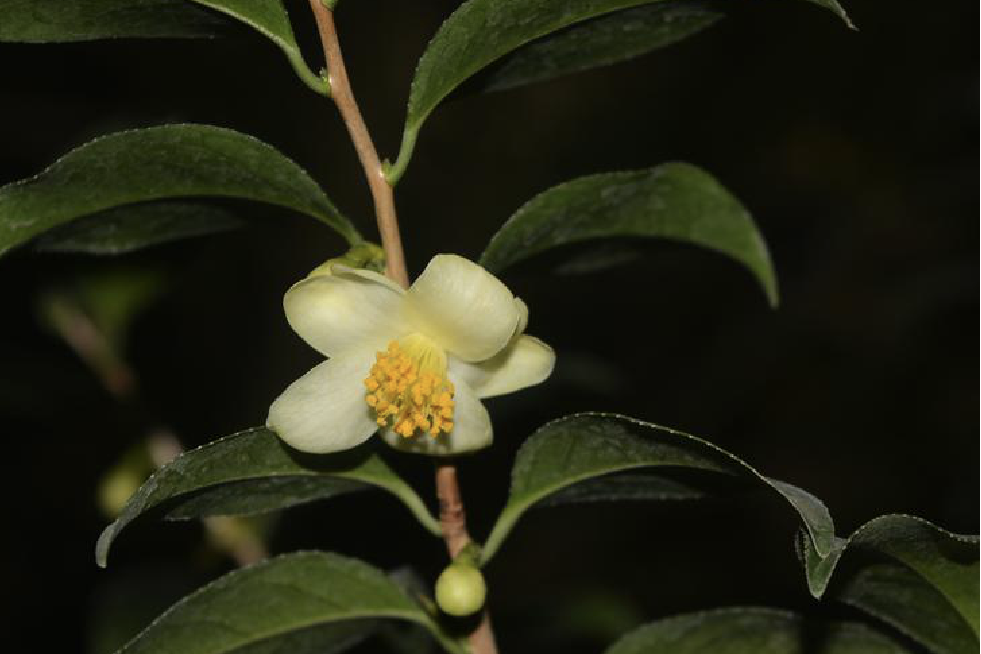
(451, 512)
(93, 347)
(381, 190)
(453, 517)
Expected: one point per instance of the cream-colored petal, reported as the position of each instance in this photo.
(522, 309)
(324, 410)
(350, 308)
(526, 361)
(464, 308)
(471, 428)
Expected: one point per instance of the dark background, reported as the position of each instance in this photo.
(855, 151)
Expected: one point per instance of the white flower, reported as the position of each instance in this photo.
(413, 363)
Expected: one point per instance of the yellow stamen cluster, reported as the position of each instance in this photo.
(410, 392)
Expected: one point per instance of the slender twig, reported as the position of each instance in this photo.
(452, 516)
(381, 190)
(96, 350)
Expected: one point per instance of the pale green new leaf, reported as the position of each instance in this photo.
(137, 226)
(753, 631)
(601, 41)
(254, 471)
(675, 201)
(583, 447)
(303, 603)
(55, 21)
(170, 161)
(942, 569)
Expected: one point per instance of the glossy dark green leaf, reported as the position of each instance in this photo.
(54, 21)
(932, 595)
(583, 447)
(137, 226)
(601, 41)
(171, 161)
(675, 201)
(304, 603)
(753, 631)
(253, 471)
(900, 597)
(270, 19)
(480, 32)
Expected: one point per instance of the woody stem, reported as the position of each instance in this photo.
(451, 512)
(381, 190)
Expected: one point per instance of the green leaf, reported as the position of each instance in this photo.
(601, 41)
(300, 603)
(137, 226)
(900, 597)
(481, 31)
(753, 631)
(253, 471)
(58, 21)
(586, 446)
(623, 487)
(935, 565)
(675, 201)
(270, 19)
(171, 161)
(475, 35)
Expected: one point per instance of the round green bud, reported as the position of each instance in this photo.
(460, 590)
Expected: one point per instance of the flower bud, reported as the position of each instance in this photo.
(460, 590)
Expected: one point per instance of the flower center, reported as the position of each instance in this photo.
(408, 389)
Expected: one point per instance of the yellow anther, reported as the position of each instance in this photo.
(408, 390)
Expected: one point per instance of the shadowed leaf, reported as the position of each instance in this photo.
(254, 471)
(137, 226)
(753, 631)
(171, 161)
(927, 588)
(58, 21)
(601, 41)
(675, 201)
(583, 447)
(303, 603)
(480, 32)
